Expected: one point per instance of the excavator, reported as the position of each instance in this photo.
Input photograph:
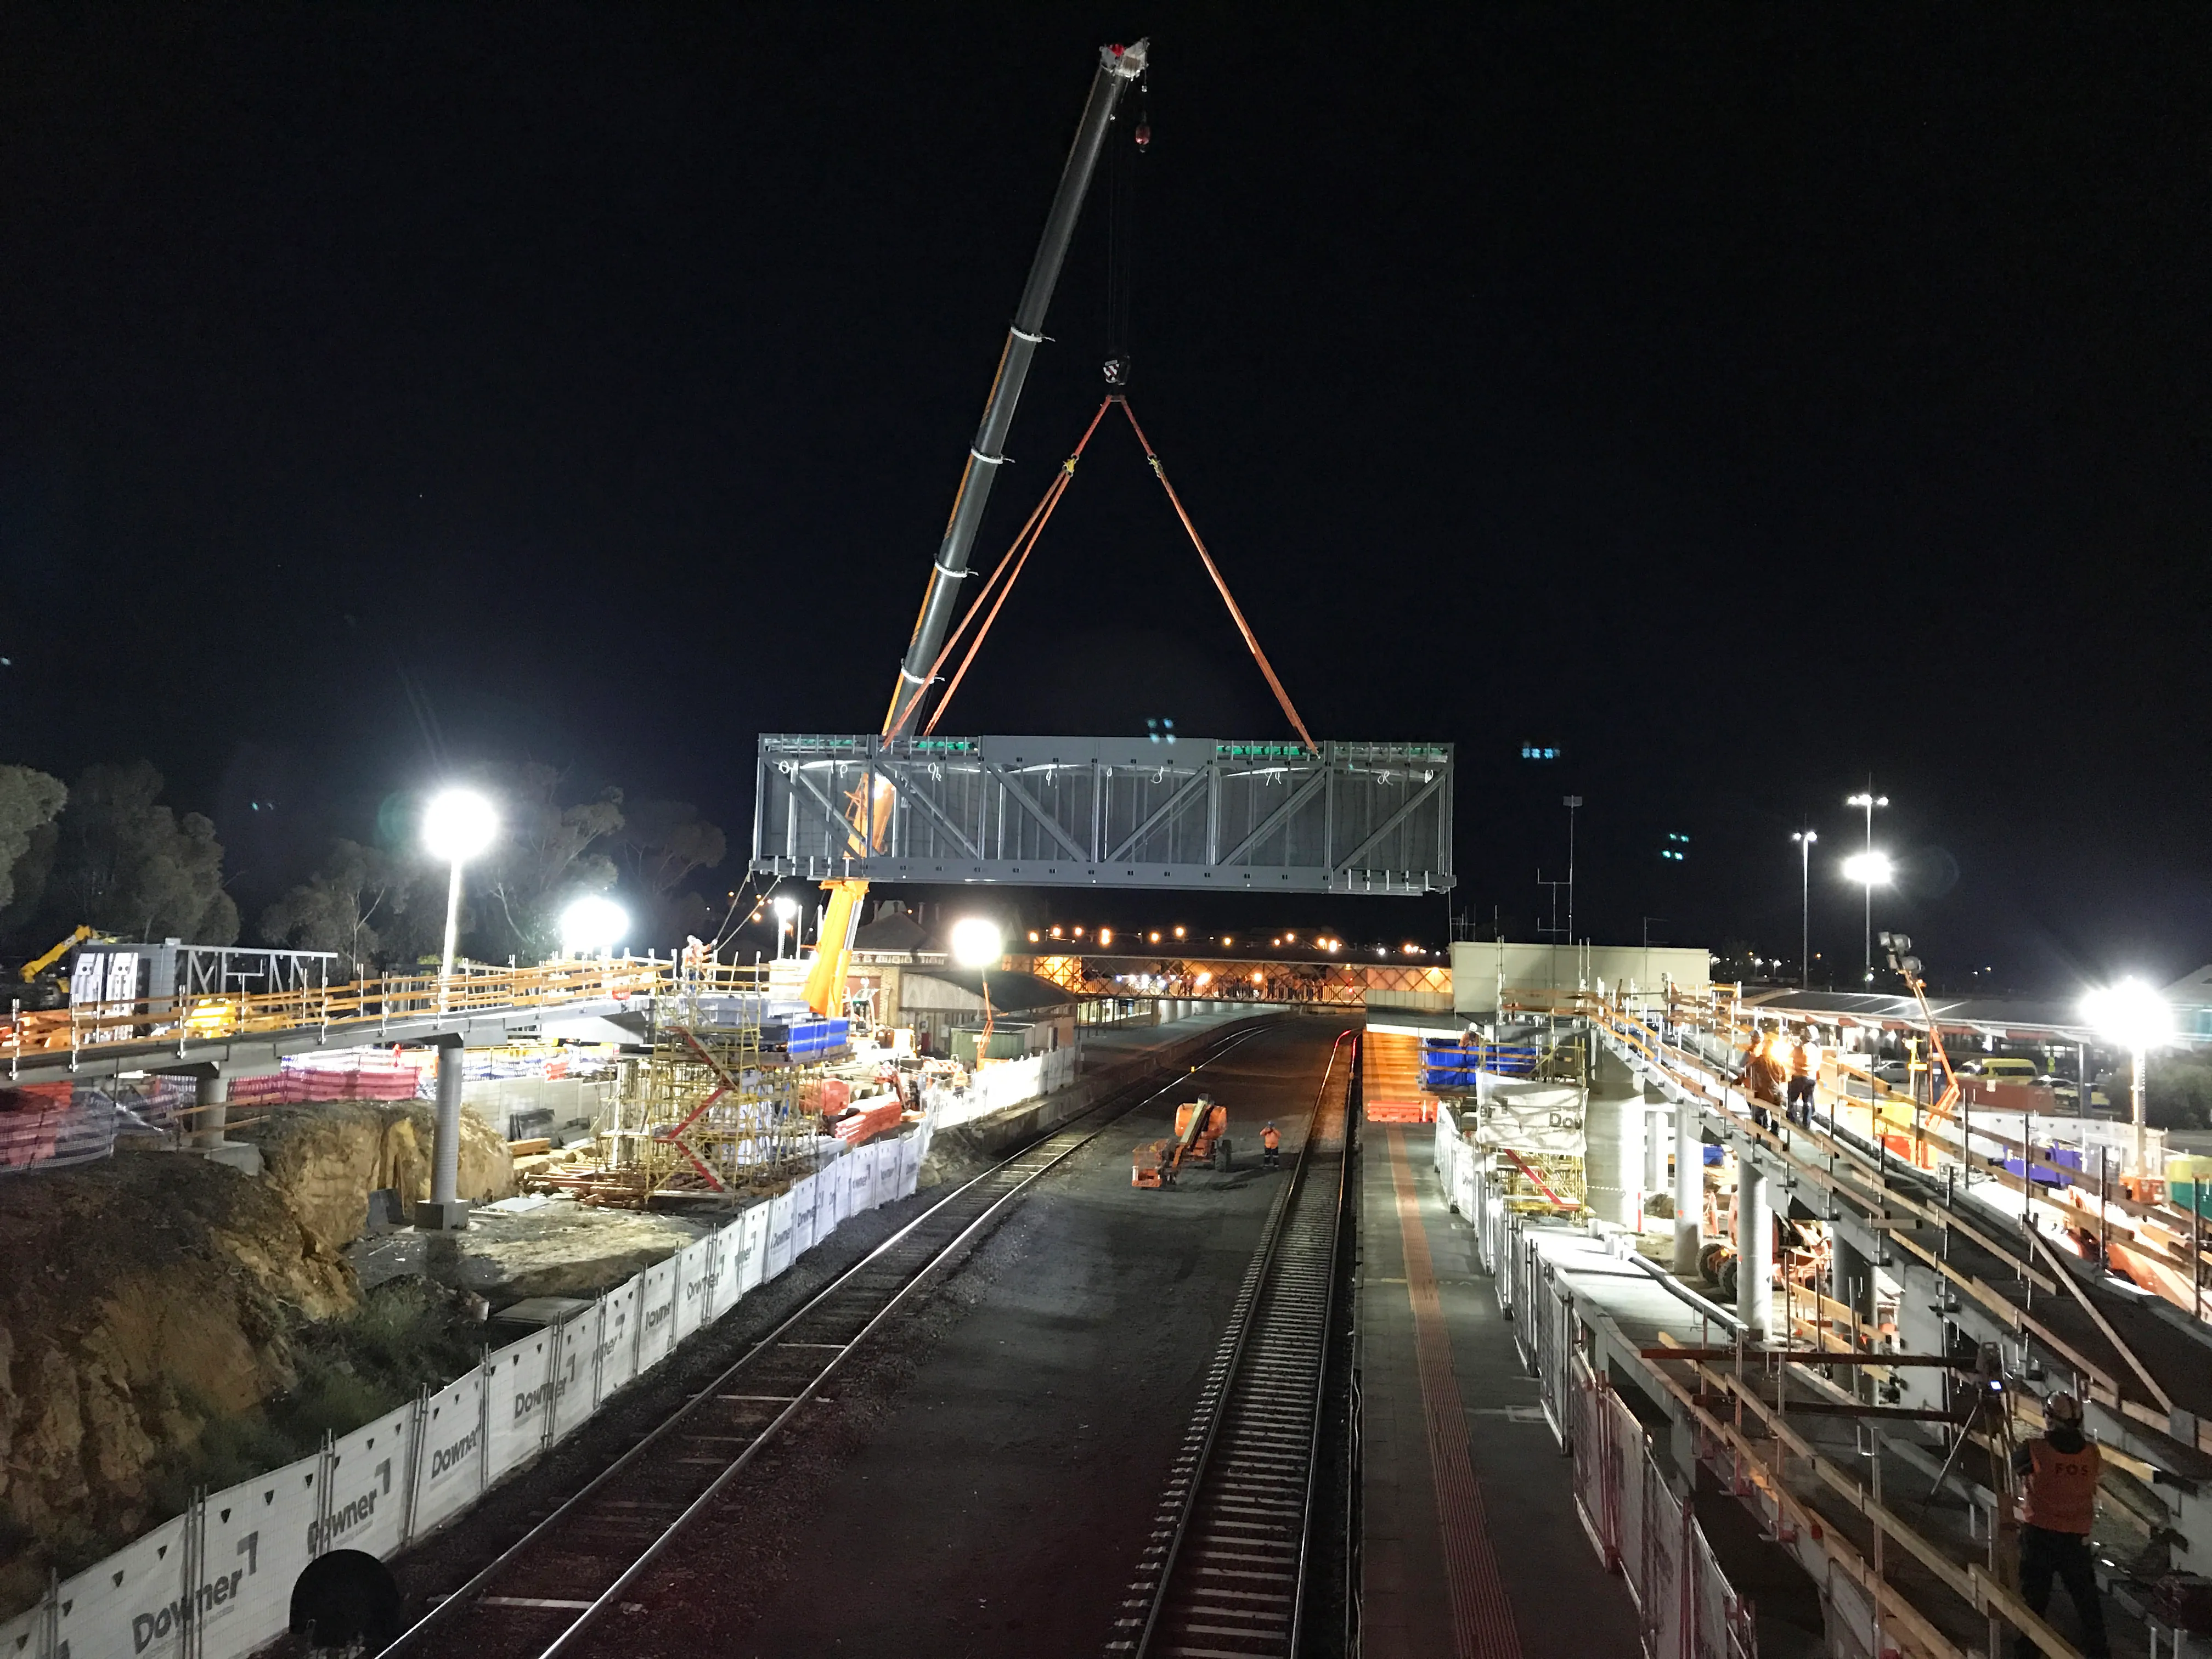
(1201, 1136)
(868, 819)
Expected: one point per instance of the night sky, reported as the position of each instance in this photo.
(1741, 400)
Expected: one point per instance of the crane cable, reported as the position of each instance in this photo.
(1022, 543)
(1033, 532)
(1244, 628)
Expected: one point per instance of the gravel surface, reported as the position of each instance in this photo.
(983, 1473)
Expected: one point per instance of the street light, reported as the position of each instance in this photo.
(977, 943)
(786, 909)
(2130, 1016)
(1868, 800)
(457, 825)
(1870, 870)
(592, 925)
(1804, 838)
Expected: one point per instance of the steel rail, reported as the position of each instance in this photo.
(472, 1595)
(1230, 1390)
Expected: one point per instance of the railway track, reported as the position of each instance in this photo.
(1225, 1574)
(544, 1594)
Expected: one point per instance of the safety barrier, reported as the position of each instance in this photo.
(1640, 1523)
(215, 1581)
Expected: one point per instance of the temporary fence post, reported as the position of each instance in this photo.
(484, 1421)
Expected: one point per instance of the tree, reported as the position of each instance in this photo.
(662, 842)
(358, 896)
(129, 865)
(28, 802)
(543, 859)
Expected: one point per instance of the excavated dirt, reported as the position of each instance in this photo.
(168, 1321)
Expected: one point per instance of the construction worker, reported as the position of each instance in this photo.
(1271, 1143)
(1804, 1066)
(2059, 1504)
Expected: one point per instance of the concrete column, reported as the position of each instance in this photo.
(445, 1211)
(1613, 1161)
(212, 1096)
(1754, 1252)
(1851, 1278)
(1689, 1189)
(1655, 1145)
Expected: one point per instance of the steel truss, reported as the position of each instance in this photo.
(1194, 815)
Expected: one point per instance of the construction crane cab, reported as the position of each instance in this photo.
(1201, 1136)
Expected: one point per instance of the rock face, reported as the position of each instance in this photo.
(146, 1296)
(149, 1297)
(326, 1159)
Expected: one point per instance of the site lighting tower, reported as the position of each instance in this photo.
(457, 825)
(1868, 800)
(1804, 838)
(977, 944)
(787, 914)
(1573, 803)
(2130, 1016)
(592, 925)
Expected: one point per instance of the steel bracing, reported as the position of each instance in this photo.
(1198, 814)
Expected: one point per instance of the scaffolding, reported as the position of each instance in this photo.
(708, 1113)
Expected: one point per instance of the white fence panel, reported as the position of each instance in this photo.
(694, 1271)
(256, 1537)
(449, 1455)
(575, 1371)
(518, 1388)
(618, 1349)
(24, 1637)
(779, 1236)
(802, 1215)
(729, 1266)
(909, 1147)
(834, 1205)
(656, 1314)
(132, 1602)
(752, 1256)
(366, 1505)
(861, 1165)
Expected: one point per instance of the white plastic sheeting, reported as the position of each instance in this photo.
(802, 1213)
(221, 1574)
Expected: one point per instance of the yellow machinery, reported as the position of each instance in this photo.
(39, 965)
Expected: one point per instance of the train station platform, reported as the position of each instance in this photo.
(1471, 1543)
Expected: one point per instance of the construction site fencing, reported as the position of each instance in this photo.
(1631, 1504)
(215, 1581)
(1000, 1084)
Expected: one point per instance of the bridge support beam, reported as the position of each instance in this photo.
(445, 1211)
(1754, 1252)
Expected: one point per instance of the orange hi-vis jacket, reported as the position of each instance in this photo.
(2062, 1487)
(1270, 1139)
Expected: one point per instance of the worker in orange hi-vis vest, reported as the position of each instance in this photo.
(2059, 1506)
(1271, 1142)
(1804, 1067)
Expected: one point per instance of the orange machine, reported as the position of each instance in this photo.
(1201, 1135)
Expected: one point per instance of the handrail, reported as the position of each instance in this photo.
(383, 999)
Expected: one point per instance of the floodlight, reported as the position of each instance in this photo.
(1869, 869)
(786, 905)
(458, 824)
(593, 925)
(976, 942)
(2128, 1015)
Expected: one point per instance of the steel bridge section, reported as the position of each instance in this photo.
(1195, 814)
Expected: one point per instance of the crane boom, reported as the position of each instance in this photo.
(1117, 67)
(840, 917)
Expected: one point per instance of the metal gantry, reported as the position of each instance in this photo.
(1197, 814)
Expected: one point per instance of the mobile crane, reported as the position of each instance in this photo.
(868, 820)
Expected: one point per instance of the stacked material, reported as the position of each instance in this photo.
(1391, 1083)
